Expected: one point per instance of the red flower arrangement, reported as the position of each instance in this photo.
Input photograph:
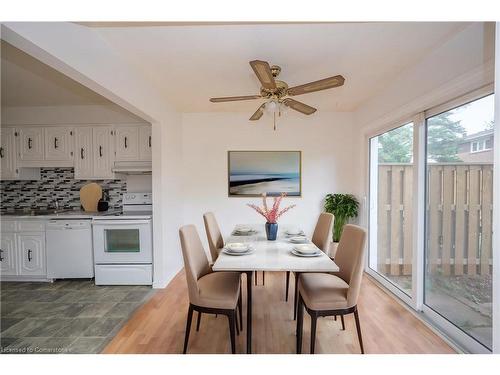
(274, 213)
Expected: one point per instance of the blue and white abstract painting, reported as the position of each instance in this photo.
(252, 173)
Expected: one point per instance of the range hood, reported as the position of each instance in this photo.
(132, 167)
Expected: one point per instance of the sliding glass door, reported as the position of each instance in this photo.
(391, 192)
(458, 217)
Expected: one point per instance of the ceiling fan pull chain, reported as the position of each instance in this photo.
(274, 116)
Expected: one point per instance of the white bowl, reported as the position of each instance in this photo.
(237, 247)
(306, 249)
(293, 231)
(243, 229)
(299, 239)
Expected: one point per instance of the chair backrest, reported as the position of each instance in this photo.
(195, 259)
(323, 232)
(350, 258)
(214, 236)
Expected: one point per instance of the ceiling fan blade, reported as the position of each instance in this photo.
(263, 72)
(258, 113)
(322, 84)
(234, 98)
(299, 106)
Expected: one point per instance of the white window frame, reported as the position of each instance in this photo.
(416, 300)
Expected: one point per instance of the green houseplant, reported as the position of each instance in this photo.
(343, 207)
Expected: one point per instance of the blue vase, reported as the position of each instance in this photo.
(271, 231)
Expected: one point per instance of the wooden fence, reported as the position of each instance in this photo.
(459, 218)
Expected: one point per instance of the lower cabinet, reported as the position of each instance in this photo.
(23, 254)
(31, 254)
(8, 259)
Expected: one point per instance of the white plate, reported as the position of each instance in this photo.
(305, 249)
(237, 247)
(229, 252)
(296, 253)
(294, 232)
(298, 239)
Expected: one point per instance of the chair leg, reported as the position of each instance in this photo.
(335, 318)
(263, 278)
(188, 328)
(358, 328)
(300, 321)
(314, 319)
(240, 310)
(232, 324)
(296, 295)
(255, 277)
(287, 285)
(236, 322)
(343, 324)
(198, 321)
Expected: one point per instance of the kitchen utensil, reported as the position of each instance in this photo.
(89, 196)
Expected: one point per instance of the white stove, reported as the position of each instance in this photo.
(123, 250)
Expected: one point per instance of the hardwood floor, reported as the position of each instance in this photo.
(158, 327)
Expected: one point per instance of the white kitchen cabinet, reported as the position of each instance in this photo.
(31, 254)
(145, 143)
(58, 143)
(103, 151)
(8, 154)
(83, 153)
(8, 254)
(31, 144)
(126, 143)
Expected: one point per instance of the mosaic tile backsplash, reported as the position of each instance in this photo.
(55, 183)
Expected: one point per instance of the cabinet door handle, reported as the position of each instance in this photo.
(1, 257)
(81, 153)
(56, 141)
(1, 152)
(29, 255)
(125, 140)
(149, 142)
(100, 151)
(30, 141)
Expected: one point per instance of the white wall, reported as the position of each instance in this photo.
(68, 115)
(329, 155)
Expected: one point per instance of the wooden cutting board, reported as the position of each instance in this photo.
(89, 196)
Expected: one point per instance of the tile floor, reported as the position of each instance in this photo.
(66, 316)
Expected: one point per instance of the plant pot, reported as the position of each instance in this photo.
(333, 249)
(271, 231)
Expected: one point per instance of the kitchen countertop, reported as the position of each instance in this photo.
(72, 214)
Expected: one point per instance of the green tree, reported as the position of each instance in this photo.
(443, 138)
(396, 146)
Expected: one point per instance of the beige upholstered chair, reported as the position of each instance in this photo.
(209, 292)
(214, 235)
(325, 294)
(321, 238)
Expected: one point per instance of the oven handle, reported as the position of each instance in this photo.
(121, 222)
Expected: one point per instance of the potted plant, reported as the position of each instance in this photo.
(271, 215)
(343, 207)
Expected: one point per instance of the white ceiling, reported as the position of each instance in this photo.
(28, 82)
(189, 64)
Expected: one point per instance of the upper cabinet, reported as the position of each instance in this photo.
(58, 145)
(8, 154)
(91, 150)
(102, 142)
(145, 143)
(126, 143)
(31, 147)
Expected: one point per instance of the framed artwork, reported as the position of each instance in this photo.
(252, 173)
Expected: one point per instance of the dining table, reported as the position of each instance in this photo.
(266, 255)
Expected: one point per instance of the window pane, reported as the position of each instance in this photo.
(391, 184)
(459, 217)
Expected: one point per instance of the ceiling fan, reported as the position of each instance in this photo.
(277, 91)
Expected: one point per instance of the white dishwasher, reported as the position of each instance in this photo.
(69, 249)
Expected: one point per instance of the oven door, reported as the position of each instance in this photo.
(122, 241)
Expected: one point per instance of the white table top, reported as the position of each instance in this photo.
(271, 255)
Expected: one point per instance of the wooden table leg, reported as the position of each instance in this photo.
(249, 312)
